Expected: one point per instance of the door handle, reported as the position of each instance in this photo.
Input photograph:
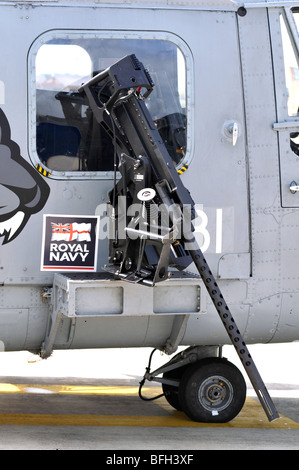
(294, 188)
(231, 131)
(235, 132)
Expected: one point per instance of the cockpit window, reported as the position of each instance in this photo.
(67, 137)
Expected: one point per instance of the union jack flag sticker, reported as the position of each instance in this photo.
(71, 232)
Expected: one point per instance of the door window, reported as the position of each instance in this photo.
(65, 137)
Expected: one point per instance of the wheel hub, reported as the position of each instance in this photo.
(215, 393)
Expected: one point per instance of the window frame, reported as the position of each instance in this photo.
(104, 34)
(285, 124)
(285, 121)
(287, 53)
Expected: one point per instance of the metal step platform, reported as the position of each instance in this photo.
(101, 295)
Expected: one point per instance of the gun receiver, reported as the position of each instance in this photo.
(151, 209)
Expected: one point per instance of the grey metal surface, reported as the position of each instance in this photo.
(230, 80)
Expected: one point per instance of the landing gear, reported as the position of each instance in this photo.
(212, 391)
(208, 389)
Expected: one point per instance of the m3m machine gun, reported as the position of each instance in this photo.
(151, 222)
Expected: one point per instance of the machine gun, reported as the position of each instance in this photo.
(143, 245)
(151, 210)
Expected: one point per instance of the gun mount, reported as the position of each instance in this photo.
(146, 222)
(151, 210)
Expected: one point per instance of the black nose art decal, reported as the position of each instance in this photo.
(23, 191)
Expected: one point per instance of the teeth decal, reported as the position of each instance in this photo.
(9, 227)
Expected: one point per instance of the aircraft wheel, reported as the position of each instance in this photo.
(212, 391)
(171, 392)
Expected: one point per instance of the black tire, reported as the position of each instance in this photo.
(171, 392)
(212, 391)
